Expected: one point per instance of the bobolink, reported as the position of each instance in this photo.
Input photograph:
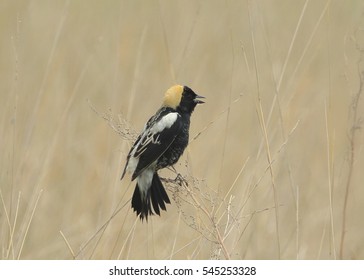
(160, 144)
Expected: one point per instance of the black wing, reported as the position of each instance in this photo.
(153, 145)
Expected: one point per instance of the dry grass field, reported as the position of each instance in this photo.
(274, 168)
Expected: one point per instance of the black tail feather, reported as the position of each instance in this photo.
(161, 193)
(156, 196)
(141, 205)
(154, 199)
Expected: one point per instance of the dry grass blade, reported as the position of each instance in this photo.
(265, 135)
(187, 245)
(68, 245)
(29, 223)
(329, 157)
(129, 238)
(232, 185)
(355, 123)
(270, 162)
(7, 220)
(291, 46)
(176, 236)
(309, 41)
(47, 72)
(101, 230)
(11, 244)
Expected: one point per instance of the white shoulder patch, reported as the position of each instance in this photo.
(165, 122)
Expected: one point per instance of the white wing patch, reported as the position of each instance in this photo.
(165, 122)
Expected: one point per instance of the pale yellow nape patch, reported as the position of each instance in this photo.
(173, 96)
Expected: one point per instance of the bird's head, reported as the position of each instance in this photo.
(181, 98)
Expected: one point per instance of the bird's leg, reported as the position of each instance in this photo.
(180, 179)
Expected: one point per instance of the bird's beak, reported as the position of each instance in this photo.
(199, 101)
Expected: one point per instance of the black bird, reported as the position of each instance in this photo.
(160, 144)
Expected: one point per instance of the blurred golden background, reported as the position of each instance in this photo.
(273, 166)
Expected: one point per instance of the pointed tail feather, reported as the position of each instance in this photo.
(159, 192)
(156, 196)
(141, 205)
